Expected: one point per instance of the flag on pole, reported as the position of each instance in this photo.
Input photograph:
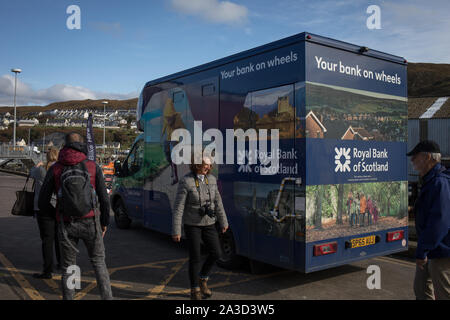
(90, 139)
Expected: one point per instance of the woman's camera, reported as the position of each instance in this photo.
(207, 210)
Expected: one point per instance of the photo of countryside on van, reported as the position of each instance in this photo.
(345, 114)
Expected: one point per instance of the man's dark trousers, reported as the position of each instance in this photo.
(88, 230)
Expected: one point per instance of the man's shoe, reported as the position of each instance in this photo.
(196, 294)
(42, 275)
(206, 292)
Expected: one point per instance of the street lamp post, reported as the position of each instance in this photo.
(104, 128)
(16, 71)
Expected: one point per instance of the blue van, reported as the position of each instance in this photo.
(338, 191)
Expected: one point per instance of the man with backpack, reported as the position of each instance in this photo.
(432, 210)
(78, 183)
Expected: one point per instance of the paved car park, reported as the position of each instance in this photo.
(147, 265)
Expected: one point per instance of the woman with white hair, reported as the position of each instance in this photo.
(198, 205)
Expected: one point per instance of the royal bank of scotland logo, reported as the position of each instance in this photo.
(342, 154)
(244, 155)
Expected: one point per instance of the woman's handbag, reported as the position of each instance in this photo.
(24, 205)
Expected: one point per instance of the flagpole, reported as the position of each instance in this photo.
(90, 140)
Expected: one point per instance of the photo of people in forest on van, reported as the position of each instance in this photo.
(348, 209)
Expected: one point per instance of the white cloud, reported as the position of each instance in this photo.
(415, 30)
(212, 10)
(421, 28)
(56, 93)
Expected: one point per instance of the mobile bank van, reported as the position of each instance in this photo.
(309, 137)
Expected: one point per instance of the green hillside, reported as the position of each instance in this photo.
(339, 101)
(428, 80)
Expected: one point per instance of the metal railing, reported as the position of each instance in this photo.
(8, 151)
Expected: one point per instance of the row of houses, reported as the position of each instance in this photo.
(76, 113)
(5, 122)
(117, 124)
(330, 128)
(74, 118)
(57, 122)
(84, 114)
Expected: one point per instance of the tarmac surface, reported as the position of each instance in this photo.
(146, 265)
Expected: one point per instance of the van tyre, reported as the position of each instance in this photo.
(121, 216)
(229, 259)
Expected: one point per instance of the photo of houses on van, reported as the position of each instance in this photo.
(331, 113)
(346, 114)
(349, 209)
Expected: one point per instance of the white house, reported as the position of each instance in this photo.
(28, 122)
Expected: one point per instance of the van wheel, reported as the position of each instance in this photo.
(120, 215)
(229, 259)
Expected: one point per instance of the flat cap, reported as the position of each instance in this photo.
(425, 146)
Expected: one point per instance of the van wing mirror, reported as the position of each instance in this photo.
(117, 167)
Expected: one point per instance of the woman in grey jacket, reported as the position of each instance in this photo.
(198, 205)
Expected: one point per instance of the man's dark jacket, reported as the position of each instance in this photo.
(433, 215)
(70, 155)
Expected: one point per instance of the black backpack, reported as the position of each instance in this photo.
(76, 196)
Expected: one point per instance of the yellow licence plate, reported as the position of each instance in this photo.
(362, 242)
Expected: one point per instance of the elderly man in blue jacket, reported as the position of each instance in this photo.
(432, 211)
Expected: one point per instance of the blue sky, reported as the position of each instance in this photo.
(123, 44)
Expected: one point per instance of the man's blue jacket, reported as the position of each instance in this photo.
(433, 215)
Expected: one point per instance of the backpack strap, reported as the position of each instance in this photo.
(94, 198)
(83, 164)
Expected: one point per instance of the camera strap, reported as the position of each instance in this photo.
(197, 184)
